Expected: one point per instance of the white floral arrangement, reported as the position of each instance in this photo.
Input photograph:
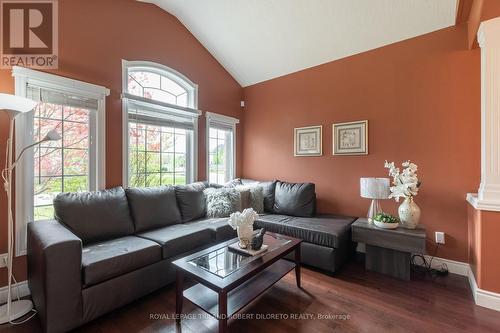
(406, 183)
(245, 218)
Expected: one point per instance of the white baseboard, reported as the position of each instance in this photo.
(455, 267)
(483, 297)
(21, 286)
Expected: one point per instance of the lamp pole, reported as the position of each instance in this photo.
(13, 105)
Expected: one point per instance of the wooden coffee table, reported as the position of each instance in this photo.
(228, 281)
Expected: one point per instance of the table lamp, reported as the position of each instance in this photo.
(375, 189)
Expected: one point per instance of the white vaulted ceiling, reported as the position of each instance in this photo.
(257, 40)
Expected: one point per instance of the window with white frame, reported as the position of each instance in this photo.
(221, 148)
(160, 125)
(73, 164)
(64, 165)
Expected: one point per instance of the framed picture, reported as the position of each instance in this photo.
(350, 138)
(308, 141)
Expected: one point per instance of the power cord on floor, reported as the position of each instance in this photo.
(421, 264)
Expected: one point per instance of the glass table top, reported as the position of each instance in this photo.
(224, 261)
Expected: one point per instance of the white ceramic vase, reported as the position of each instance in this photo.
(245, 234)
(409, 213)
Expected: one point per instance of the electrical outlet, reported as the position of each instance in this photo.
(439, 237)
(3, 260)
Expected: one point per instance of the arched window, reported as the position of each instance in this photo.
(160, 125)
(161, 84)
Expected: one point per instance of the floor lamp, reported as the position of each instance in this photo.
(15, 105)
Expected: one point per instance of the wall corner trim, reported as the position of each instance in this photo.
(483, 297)
(473, 199)
(489, 188)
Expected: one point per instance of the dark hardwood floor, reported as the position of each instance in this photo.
(352, 301)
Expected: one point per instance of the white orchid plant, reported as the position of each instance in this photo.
(406, 183)
(247, 217)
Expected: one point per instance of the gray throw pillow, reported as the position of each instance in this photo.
(214, 185)
(245, 200)
(222, 202)
(153, 207)
(256, 197)
(233, 183)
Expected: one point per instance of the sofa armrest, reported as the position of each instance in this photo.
(54, 275)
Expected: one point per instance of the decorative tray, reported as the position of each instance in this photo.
(235, 247)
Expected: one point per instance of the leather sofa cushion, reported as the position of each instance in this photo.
(191, 201)
(326, 230)
(153, 207)
(105, 260)
(268, 189)
(95, 216)
(179, 239)
(295, 199)
(219, 227)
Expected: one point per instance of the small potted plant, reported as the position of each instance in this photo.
(386, 221)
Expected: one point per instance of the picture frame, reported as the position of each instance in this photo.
(308, 141)
(350, 138)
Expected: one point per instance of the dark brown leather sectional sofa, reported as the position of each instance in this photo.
(105, 249)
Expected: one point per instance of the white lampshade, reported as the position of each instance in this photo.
(16, 104)
(52, 135)
(374, 188)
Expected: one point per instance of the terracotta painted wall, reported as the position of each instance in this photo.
(484, 247)
(479, 11)
(490, 9)
(94, 36)
(422, 100)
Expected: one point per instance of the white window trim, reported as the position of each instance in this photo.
(128, 99)
(230, 122)
(24, 128)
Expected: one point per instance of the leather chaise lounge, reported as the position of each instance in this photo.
(291, 210)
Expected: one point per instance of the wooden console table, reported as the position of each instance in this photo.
(389, 251)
